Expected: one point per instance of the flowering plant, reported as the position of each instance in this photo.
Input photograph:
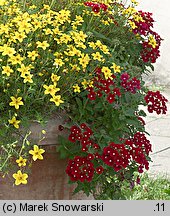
(86, 58)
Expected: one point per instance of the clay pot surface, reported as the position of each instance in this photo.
(47, 179)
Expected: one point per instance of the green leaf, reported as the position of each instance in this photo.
(101, 36)
(142, 113)
(79, 102)
(129, 112)
(167, 191)
(64, 153)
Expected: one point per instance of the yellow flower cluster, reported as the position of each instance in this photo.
(46, 56)
(152, 41)
(21, 178)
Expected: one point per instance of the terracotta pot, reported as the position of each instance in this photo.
(47, 179)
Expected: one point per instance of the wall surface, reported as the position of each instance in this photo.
(161, 15)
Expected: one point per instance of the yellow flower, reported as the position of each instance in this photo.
(152, 41)
(132, 24)
(84, 83)
(21, 161)
(76, 88)
(43, 132)
(72, 51)
(79, 19)
(84, 60)
(7, 70)
(55, 78)
(107, 72)
(135, 2)
(57, 100)
(58, 62)
(56, 31)
(138, 18)
(16, 102)
(28, 78)
(16, 59)
(3, 2)
(75, 68)
(4, 29)
(92, 45)
(14, 121)
(48, 31)
(64, 38)
(19, 36)
(37, 153)
(116, 68)
(51, 89)
(43, 44)
(24, 26)
(104, 49)
(24, 70)
(32, 55)
(97, 56)
(98, 43)
(20, 178)
(7, 50)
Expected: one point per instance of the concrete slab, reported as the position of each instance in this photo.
(159, 127)
(160, 164)
(159, 144)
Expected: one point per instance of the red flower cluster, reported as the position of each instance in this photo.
(103, 86)
(149, 53)
(130, 85)
(83, 135)
(156, 102)
(143, 27)
(139, 149)
(116, 156)
(96, 6)
(135, 149)
(80, 168)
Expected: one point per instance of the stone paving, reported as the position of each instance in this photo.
(158, 126)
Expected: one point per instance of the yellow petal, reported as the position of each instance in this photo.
(41, 151)
(34, 157)
(15, 175)
(40, 157)
(36, 148)
(24, 181)
(17, 182)
(25, 176)
(31, 152)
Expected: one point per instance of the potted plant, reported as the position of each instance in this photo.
(85, 61)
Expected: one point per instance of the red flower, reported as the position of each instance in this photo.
(141, 120)
(60, 128)
(96, 8)
(90, 156)
(99, 170)
(75, 130)
(83, 126)
(72, 138)
(117, 92)
(80, 168)
(111, 98)
(156, 102)
(92, 95)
